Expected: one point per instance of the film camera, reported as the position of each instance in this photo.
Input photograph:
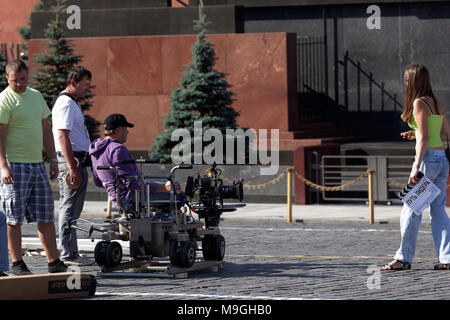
(211, 193)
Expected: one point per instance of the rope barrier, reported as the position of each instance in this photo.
(259, 186)
(398, 184)
(306, 181)
(315, 185)
(299, 176)
(335, 188)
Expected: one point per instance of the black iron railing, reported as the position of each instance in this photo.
(10, 51)
(312, 64)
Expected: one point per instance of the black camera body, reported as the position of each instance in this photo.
(211, 192)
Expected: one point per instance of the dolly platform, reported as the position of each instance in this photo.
(160, 268)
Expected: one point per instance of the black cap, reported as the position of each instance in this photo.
(116, 120)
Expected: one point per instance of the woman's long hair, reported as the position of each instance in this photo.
(419, 85)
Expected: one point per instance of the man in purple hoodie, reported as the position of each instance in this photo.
(110, 152)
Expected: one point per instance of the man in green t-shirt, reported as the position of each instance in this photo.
(24, 188)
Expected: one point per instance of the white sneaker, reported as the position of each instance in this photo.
(78, 261)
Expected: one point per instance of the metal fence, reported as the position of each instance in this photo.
(312, 64)
(363, 90)
(10, 51)
(391, 171)
(360, 90)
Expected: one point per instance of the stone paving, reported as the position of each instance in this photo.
(281, 261)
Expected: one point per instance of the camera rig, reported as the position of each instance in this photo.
(211, 193)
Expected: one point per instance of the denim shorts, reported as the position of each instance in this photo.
(30, 195)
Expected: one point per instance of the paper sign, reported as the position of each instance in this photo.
(421, 195)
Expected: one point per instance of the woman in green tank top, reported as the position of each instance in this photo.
(425, 115)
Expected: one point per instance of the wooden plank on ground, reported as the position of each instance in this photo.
(47, 286)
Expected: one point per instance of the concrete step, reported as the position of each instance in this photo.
(393, 148)
(292, 144)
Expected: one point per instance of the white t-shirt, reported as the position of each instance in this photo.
(67, 114)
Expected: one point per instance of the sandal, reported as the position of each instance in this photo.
(442, 266)
(396, 265)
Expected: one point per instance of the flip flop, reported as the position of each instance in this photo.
(442, 266)
(390, 266)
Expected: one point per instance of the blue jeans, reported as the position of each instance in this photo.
(436, 167)
(130, 203)
(4, 262)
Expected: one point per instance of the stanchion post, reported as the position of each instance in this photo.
(108, 208)
(289, 194)
(371, 201)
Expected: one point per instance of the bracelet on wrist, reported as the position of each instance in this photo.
(54, 160)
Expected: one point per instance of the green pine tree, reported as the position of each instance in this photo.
(204, 95)
(56, 63)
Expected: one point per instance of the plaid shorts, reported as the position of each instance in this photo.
(29, 196)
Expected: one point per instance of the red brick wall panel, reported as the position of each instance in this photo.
(134, 66)
(13, 15)
(135, 76)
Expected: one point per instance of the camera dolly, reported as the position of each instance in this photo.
(162, 229)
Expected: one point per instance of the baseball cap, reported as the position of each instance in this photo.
(116, 120)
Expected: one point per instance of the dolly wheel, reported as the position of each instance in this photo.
(213, 248)
(113, 254)
(208, 247)
(219, 248)
(174, 253)
(182, 254)
(187, 254)
(100, 253)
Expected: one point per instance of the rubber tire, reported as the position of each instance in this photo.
(187, 256)
(182, 254)
(100, 253)
(208, 245)
(219, 244)
(213, 248)
(174, 253)
(113, 254)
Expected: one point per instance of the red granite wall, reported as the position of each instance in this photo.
(13, 15)
(135, 76)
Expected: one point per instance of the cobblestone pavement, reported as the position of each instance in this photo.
(291, 261)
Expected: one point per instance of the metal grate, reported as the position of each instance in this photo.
(338, 170)
(312, 75)
(10, 51)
